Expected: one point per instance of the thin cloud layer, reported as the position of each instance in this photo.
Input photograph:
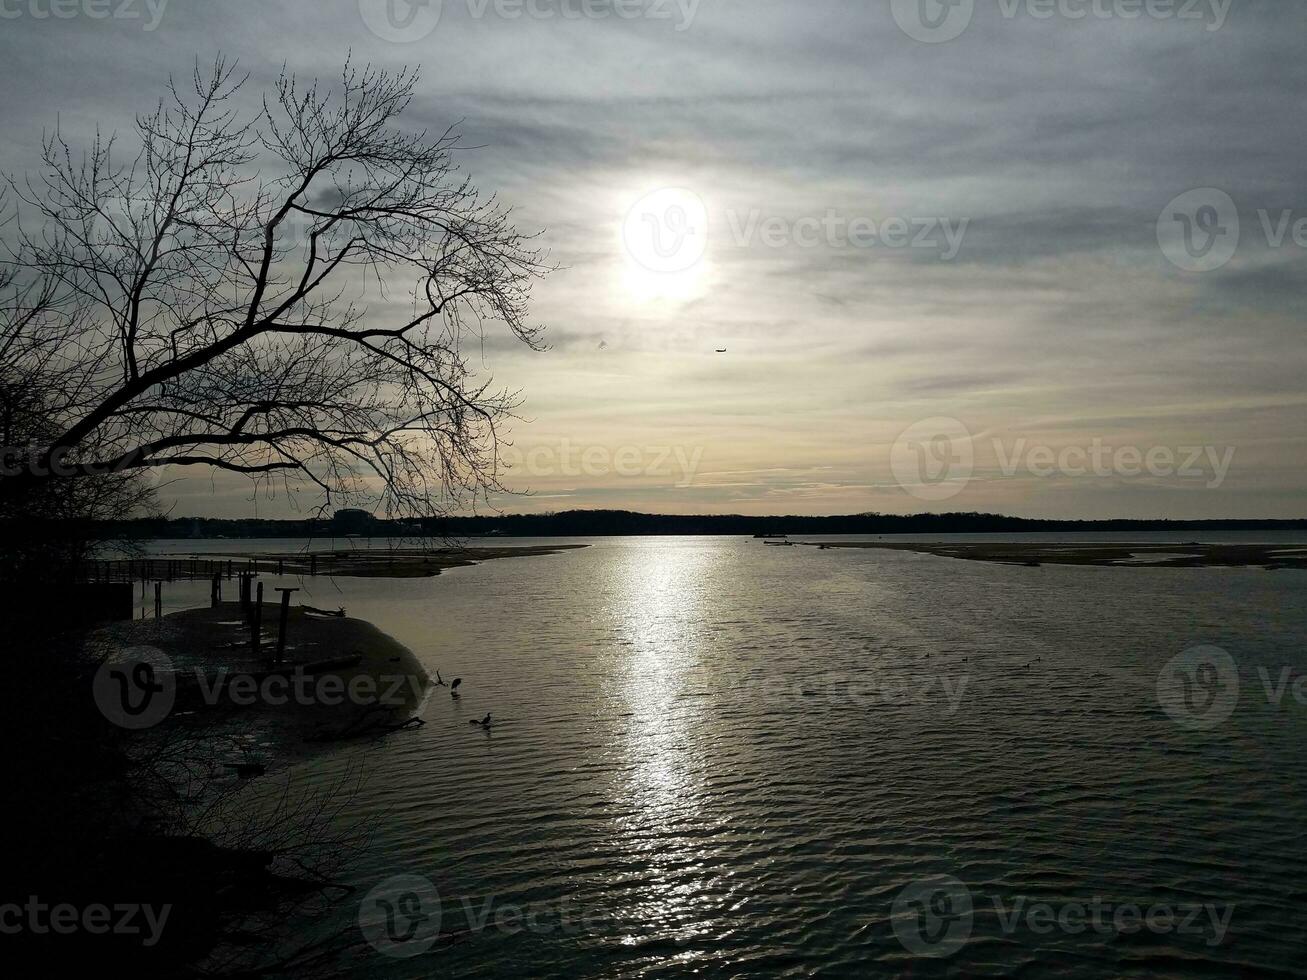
(832, 153)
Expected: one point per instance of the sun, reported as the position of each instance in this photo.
(664, 240)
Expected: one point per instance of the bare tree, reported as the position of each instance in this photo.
(49, 525)
(281, 293)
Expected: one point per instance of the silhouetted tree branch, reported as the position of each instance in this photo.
(231, 296)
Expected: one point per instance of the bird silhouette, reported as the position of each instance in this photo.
(453, 688)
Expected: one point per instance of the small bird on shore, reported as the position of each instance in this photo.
(484, 722)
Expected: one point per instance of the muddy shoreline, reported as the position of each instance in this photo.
(1272, 557)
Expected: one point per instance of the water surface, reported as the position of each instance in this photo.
(719, 759)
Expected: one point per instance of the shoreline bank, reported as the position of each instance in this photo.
(1107, 555)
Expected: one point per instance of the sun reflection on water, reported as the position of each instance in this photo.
(660, 602)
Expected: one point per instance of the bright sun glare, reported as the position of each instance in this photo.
(664, 239)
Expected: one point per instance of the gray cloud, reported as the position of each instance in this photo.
(1059, 142)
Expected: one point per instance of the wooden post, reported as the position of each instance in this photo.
(281, 634)
(256, 623)
(158, 600)
(215, 590)
(313, 565)
(228, 569)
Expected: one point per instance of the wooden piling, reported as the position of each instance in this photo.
(285, 615)
(256, 623)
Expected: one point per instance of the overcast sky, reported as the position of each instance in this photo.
(957, 258)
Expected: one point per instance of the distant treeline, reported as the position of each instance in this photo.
(614, 522)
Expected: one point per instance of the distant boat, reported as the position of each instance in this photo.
(771, 535)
